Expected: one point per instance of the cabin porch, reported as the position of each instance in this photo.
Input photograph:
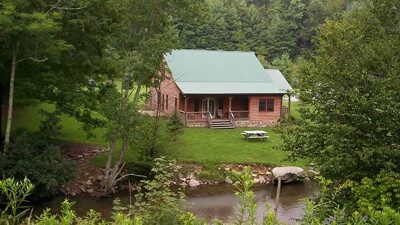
(227, 110)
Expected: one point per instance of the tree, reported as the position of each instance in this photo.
(146, 31)
(351, 127)
(226, 25)
(289, 68)
(82, 58)
(27, 31)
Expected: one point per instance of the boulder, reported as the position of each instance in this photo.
(193, 183)
(228, 180)
(288, 173)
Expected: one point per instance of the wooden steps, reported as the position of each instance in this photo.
(221, 124)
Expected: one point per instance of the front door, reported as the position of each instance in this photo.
(208, 105)
(211, 104)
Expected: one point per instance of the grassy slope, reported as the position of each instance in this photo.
(196, 145)
(30, 118)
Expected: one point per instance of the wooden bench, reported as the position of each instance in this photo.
(257, 137)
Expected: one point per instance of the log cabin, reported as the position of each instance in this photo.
(220, 89)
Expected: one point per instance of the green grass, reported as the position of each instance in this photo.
(200, 145)
(30, 117)
(203, 145)
(294, 108)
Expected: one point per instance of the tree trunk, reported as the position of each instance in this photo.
(109, 162)
(112, 171)
(10, 99)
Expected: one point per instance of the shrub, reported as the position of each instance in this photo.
(155, 202)
(15, 194)
(175, 125)
(139, 168)
(35, 156)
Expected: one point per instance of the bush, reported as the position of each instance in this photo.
(37, 157)
(175, 125)
(155, 202)
(140, 168)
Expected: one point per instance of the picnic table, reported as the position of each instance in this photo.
(255, 134)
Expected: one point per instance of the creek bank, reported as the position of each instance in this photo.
(197, 175)
(190, 175)
(88, 177)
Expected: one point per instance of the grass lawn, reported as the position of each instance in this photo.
(200, 145)
(30, 117)
(206, 146)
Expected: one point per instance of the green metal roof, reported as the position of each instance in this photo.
(223, 72)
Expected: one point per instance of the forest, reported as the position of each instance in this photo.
(95, 60)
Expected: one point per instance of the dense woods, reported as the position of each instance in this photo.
(93, 59)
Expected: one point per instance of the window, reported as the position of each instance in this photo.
(262, 105)
(176, 103)
(270, 105)
(166, 103)
(196, 105)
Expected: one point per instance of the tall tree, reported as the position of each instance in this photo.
(352, 126)
(145, 33)
(226, 25)
(77, 52)
(27, 30)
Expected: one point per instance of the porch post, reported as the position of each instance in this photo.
(230, 104)
(185, 107)
(289, 102)
(208, 105)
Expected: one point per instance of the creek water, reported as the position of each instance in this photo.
(209, 202)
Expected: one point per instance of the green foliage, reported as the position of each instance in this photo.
(270, 217)
(243, 182)
(350, 203)
(149, 144)
(175, 125)
(223, 24)
(350, 129)
(15, 193)
(35, 156)
(288, 67)
(140, 167)
(155, 202)
(270, 28)
(378, 193)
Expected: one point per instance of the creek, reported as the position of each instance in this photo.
(217, 201)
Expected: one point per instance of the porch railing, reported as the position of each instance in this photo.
(209, 118)
(239, 115)
(197, 116)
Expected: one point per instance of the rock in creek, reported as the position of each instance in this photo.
(193, 183)
(288, 173)
(228, 180)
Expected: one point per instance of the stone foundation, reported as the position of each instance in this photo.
(195, 124)
(247, 123)
(239, 123)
